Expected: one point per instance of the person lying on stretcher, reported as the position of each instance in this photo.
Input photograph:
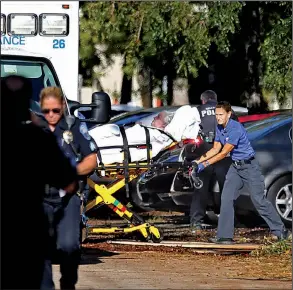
(166, 128)
(161, 120)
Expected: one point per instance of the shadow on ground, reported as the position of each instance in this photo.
(91, 256)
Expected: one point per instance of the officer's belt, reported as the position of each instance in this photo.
(242, 162)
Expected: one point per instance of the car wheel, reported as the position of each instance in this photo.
(280, 195)
(137, 200)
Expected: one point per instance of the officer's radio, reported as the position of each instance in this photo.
(209, 137)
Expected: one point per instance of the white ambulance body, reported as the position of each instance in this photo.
(40, 40)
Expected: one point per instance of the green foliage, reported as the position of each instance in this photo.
(273, 248)
(161, 35)
(276, 51)
(223, 18)
(174, 38)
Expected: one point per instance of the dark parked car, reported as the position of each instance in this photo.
(272, 140)
(146, 116)
(116, 111)
(121, 108)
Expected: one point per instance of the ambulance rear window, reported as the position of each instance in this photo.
(28, 70)
(38, 72)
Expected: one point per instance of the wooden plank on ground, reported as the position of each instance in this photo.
(195, 245)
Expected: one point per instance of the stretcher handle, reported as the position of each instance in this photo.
(156, 165)
(174, 164)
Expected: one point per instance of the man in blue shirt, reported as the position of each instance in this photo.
(231, 137)
(200, 197)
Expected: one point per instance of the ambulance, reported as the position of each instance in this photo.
(40, 40)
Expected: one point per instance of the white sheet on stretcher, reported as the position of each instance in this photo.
(184, 125)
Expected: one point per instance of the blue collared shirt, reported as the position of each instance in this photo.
(236, 135)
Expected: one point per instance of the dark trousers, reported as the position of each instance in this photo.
(201, 196)
(64, 231)
(23, 245)
(250, 176)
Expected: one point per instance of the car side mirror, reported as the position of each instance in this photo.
(98, 112)
(101, 113)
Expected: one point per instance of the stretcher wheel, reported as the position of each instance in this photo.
(155, 235)
(155, 239)
(198, 184)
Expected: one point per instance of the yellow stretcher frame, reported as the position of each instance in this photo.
(105, 196)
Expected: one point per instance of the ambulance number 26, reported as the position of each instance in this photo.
(58, 43)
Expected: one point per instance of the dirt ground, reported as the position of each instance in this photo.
(112, 266)
(155, 270)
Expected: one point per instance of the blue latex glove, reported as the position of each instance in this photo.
(200, 167)
(196, 168)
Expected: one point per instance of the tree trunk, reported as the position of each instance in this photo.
(144, 81)
(253, 89)
(97, 86)
(170, 85)
(171, 75)
(126, 90)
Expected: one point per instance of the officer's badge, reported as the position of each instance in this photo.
(93, 146)
(83, 130)
(68, 136)
(227, 138)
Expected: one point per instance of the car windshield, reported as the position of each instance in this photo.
(133, 118)
(38, 72)
(145, 117)
(258, 128)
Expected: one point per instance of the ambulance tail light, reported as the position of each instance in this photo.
(22, 24)
(54, 24)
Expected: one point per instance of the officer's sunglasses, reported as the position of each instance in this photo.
(55, 111)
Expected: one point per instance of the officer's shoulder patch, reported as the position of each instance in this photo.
(93, 146)
(84, 131)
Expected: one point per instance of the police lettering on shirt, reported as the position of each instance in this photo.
(210, 111)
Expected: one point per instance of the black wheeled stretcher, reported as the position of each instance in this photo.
(110, 178)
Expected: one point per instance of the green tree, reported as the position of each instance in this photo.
(259, 60)
(276, 50)
(166, 38)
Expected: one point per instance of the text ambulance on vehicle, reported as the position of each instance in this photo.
(39, 40)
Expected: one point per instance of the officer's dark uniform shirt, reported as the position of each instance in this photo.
(82, 142)
(235, 134)
(34, 159)
(207, 115)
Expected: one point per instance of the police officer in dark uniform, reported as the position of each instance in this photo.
(231, 137)
(32, 155)
(200, 197)
(63, 211)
